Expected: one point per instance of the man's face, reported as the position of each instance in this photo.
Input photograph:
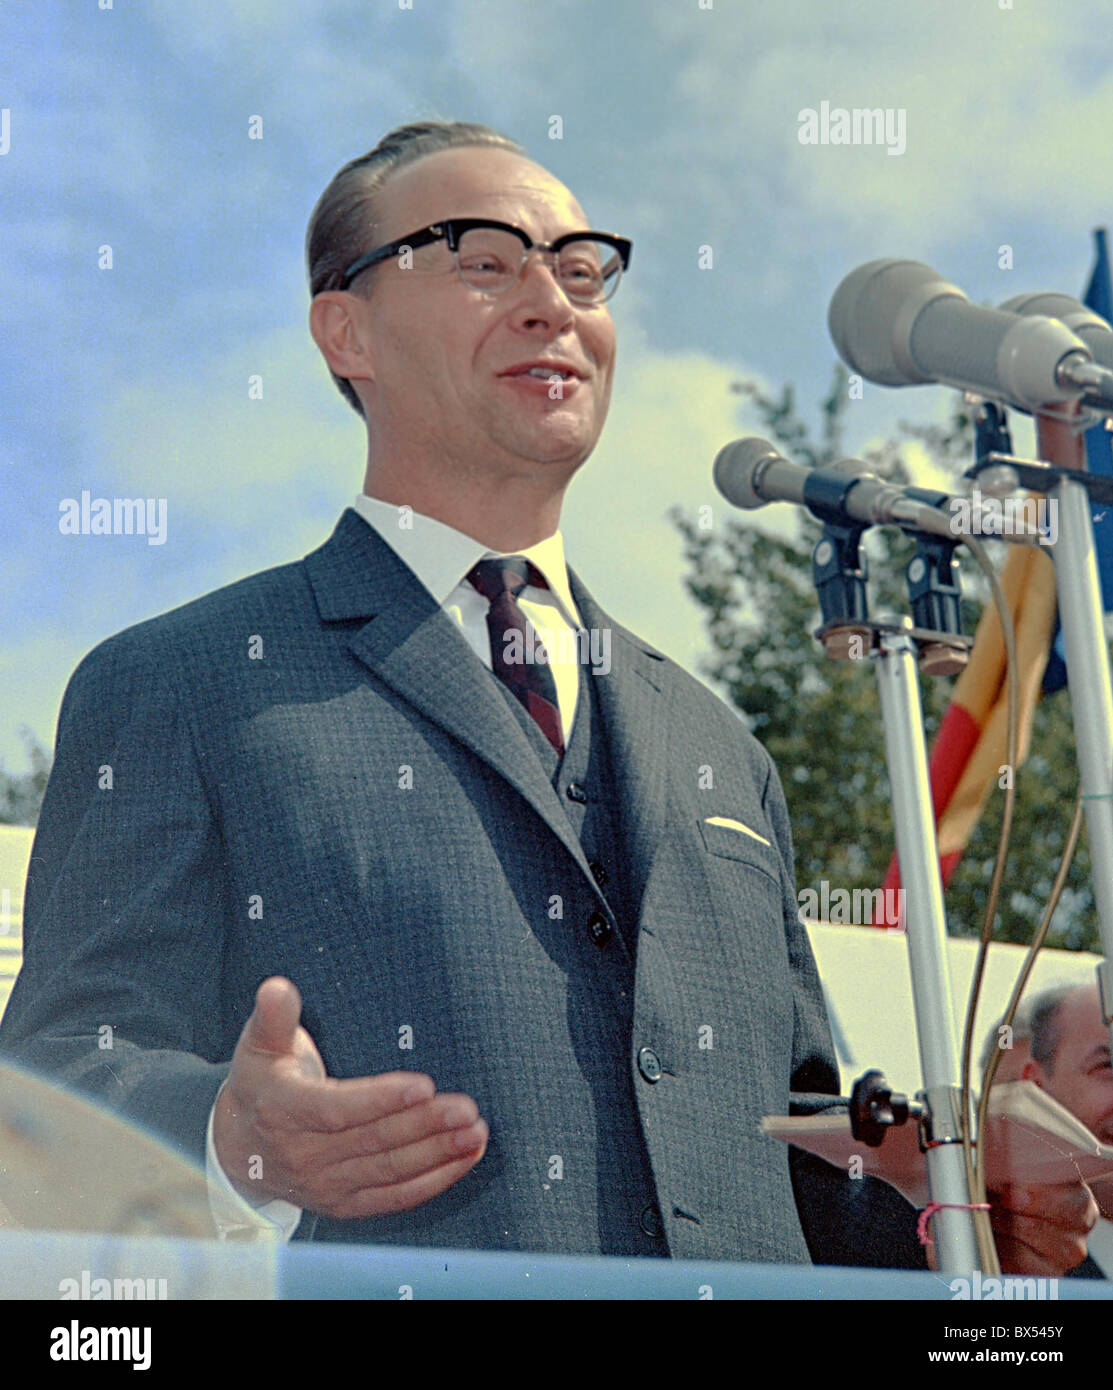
(440, 349)
(1080, 1076)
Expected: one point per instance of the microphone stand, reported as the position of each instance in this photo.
(1071, 490)
(1080, 611)
(926, 932)
(897, 647)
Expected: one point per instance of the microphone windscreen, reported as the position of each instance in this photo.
(735, 465)
(872, 313)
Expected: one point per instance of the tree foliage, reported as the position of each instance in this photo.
(21, 794)
(820, 719)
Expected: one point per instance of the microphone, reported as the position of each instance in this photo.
(1082, 322)
(751, 472)
(899, 323)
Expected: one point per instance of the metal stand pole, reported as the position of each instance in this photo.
(914, 825)
(1080, 612)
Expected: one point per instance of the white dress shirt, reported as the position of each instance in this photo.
(441, 557)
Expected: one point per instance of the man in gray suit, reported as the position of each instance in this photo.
(422, 900)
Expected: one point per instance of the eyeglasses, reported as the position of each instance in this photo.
(490, 257)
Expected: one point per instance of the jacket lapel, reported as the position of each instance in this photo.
(412, 646)
(634, 699)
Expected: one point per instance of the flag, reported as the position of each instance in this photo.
(968, 757)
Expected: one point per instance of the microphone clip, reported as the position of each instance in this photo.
(936, 601)
(839, 572)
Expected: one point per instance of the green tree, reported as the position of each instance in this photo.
(820, 719)
(21, 794)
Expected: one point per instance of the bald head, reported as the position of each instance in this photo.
(1071, 1059)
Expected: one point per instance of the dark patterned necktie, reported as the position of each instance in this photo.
(531, 681)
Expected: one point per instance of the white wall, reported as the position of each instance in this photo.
(869, 994)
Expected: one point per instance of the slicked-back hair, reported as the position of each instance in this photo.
(344, 224)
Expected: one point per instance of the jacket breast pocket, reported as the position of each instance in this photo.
(743, 844)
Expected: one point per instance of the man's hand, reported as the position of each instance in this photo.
(1042, 1230)
(361, 1147)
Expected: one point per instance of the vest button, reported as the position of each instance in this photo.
(650, 1221)
(649, 1064)
(600, 929)
(575, 792)
(598, 873)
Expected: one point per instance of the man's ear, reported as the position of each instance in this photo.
(1032, 1071)
(335, 322)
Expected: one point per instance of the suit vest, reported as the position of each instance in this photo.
(628, 1217)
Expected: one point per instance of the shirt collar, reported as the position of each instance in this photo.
(441, 556)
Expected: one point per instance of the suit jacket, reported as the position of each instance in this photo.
(310, 773)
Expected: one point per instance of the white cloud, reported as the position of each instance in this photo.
(201, 439)
(1005, 113)
(992, 99)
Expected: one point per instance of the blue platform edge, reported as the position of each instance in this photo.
(70, 1265)
(312, 1271)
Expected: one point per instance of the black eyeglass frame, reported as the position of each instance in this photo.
(453, 228)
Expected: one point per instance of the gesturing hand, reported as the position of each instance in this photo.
(345, 1148)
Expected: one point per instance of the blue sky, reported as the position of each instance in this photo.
(128, 127)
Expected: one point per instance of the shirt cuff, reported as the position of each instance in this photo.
(235, 1216)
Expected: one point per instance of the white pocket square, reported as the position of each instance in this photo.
(736, 825)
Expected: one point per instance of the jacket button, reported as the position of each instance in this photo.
(598, 873)
(575, 792)
(650, 1221)
(600, 929)
(649, 1064)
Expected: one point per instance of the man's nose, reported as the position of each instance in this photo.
(539, 292)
